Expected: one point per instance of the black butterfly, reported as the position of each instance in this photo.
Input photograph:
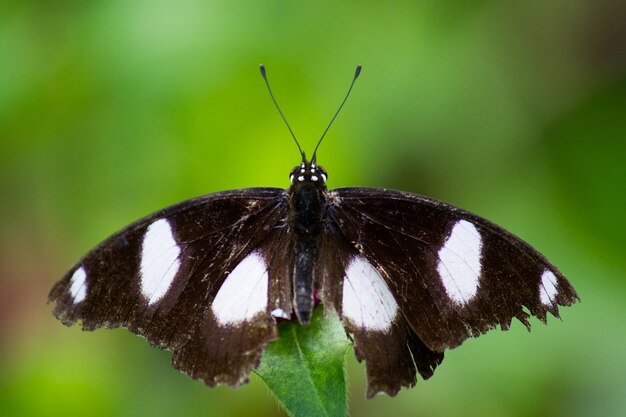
(409, 276)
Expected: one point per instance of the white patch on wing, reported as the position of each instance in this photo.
(159, 260)
(243, 294)
(367, 302)
(547, 288)
(459, 262)
(78, 285)
(280, 313)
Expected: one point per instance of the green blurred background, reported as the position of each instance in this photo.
(110, 110)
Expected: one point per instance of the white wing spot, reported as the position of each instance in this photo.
(459, 262)
(159, 260)
(78, 285)
(243, 294)
(280, 313)
(367, 301)
(547, 288)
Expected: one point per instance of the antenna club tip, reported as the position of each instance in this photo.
(358, 70)
(262, 69)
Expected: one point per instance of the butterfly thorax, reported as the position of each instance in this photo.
(307, 197)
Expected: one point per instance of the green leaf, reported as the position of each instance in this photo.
(305, 367)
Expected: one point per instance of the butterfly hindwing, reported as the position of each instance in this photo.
(229, 341)
(391, 350)
(162, 276)
(453, 274)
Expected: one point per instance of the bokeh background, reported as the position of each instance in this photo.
(110, 110)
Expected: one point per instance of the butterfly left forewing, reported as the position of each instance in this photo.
(453, 274)
(165, 278)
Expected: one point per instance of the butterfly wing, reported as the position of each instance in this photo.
(192, 278)
(444, 272)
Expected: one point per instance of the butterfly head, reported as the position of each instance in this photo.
(309, 172)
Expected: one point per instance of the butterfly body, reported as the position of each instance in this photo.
(307, 204)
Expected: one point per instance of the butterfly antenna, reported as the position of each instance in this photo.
(264, 75)
(356, 75)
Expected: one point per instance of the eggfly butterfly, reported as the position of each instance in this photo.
(409, 276)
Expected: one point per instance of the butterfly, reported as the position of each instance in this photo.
(410, 277)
